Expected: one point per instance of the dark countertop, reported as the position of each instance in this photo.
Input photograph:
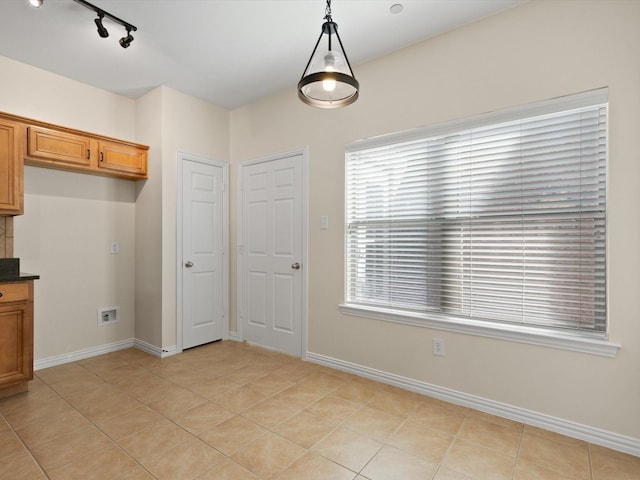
(18, 278)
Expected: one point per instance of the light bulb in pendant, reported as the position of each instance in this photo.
(329, 64)
(329, 85)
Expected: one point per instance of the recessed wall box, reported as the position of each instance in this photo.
(108, 315)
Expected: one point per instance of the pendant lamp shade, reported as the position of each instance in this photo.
(328, 80)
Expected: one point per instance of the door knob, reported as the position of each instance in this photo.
(295, 266)
(188, 264)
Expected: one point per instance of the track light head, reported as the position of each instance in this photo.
(101, 30)
(126, 41)
(36, 3)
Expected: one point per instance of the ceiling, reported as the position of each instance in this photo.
(229, 52)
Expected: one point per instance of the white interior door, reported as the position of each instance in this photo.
(202, 253)
(272, 253)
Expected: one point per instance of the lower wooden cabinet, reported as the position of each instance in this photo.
(16, 336)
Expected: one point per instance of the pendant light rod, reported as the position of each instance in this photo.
(311, 57)
(344, 52)
(100, 12)
(327, 17)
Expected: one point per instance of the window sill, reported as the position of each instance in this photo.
(523, 334)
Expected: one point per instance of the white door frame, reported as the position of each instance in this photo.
(225, 243)
(239, 247)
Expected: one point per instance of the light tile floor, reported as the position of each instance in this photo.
(232, 411)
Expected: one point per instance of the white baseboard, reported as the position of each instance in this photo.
(101, 350)
(155, 351)
(169, 351)
(108, 348)
(82, 354)
(234, 336)
(571, 429)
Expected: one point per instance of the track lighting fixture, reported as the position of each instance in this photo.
(328, 80)
(101, 30)
(126, 41)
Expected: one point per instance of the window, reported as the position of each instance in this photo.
(498, 220)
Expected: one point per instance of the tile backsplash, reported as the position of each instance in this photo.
(6, 237)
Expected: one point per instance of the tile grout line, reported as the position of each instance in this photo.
(441, 464)
(25, 446)
(515, 465)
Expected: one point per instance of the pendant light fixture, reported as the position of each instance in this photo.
(328, 80)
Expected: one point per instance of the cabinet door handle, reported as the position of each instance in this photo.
(1, 294)
(102, 156)
(88, 154)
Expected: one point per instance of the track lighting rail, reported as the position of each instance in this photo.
(100, 12)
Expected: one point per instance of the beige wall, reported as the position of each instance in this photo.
(148, 290)
(169, 122)
(536, 51)
(70, 219)
(198, 128)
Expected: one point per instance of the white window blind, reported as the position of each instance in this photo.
(488, 220)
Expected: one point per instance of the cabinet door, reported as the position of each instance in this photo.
(119, 158)
(53, 147)
(11, 178)
(14, 359)
(16, 333)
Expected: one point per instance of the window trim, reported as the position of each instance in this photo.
(566, 340)
(516, 333)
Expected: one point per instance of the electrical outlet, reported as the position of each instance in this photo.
(438, 347)
(115, 248)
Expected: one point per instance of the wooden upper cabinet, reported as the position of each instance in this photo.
(58, 148)
(32, 142)
(11, 176)
(122, 158)
(63, 148)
